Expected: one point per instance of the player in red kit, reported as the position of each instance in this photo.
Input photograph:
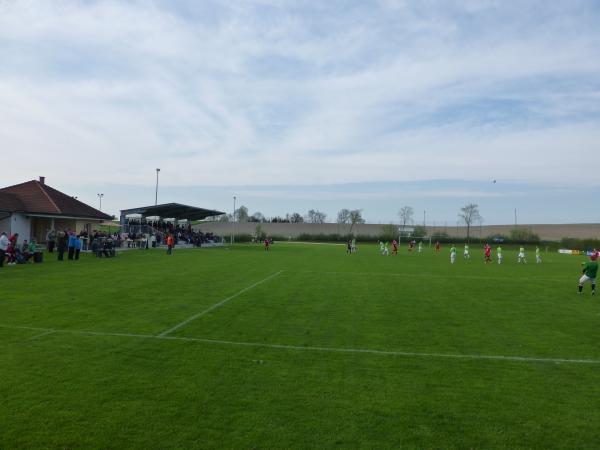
(394, 247)
(488, 253)
(267, 245)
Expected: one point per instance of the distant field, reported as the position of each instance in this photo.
(300, 347)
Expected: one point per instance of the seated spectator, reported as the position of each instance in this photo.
(27, 250)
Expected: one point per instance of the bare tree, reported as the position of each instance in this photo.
(406, 214)
(470, 215)
(343, 216)
(314, 216)
(355, 217)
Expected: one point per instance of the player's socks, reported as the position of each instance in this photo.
(580, 288)
(593, 289)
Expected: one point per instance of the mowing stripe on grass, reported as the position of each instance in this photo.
(527, 359)
(217, 305)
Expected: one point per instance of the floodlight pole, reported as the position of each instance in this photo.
(156, 191)
(100, 197)
(233, 225)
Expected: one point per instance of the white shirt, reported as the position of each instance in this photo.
(4, 242)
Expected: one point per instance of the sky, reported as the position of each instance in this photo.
(298, 105)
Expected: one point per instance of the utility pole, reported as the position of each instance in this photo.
(100, 197)
(156, 192)
(515, 217)
(233, 225)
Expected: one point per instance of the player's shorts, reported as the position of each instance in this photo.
(453, 257)
(521, 255)
(584, 279)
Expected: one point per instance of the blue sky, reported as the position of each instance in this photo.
(293, 105)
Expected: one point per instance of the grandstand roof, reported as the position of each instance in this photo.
(174, 210)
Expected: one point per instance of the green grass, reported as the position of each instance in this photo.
(293, 362)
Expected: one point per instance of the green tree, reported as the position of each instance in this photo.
(241, 214)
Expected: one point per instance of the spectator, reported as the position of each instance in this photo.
(77, 245)
(170, 244)
(71, 245)
(4, 242)
(12, 249)
(25, 251)
(62, 244)
(51, 240)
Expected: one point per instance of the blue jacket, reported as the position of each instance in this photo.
(77, 243)
(72, 240)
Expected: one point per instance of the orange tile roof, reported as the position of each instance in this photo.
(35, 197)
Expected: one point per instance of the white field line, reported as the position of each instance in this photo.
(217, 305)
(423, 275)
(318, 349)
(37, 336)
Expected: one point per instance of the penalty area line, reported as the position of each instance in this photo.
(217, 305)
(527, 359)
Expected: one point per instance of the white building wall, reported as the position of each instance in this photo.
(22, 225)
(5, 225)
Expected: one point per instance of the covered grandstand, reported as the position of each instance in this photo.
(168, 212)
(157, 221)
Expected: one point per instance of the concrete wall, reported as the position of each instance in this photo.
(545, 231)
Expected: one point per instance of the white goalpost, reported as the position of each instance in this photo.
(407, 233)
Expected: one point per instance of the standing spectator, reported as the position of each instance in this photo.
(14, 239)
(77, 246)
(11, 253)
(51, 240)
(12, 249)
(170, 243)
(71, 245)
(62, 244)
(3, 247)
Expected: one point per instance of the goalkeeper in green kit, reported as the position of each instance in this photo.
(590, 270)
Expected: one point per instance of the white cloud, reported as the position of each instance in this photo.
(255, 93)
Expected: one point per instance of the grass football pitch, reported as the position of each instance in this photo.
(301, 347)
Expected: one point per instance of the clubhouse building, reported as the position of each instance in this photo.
(33, 208)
